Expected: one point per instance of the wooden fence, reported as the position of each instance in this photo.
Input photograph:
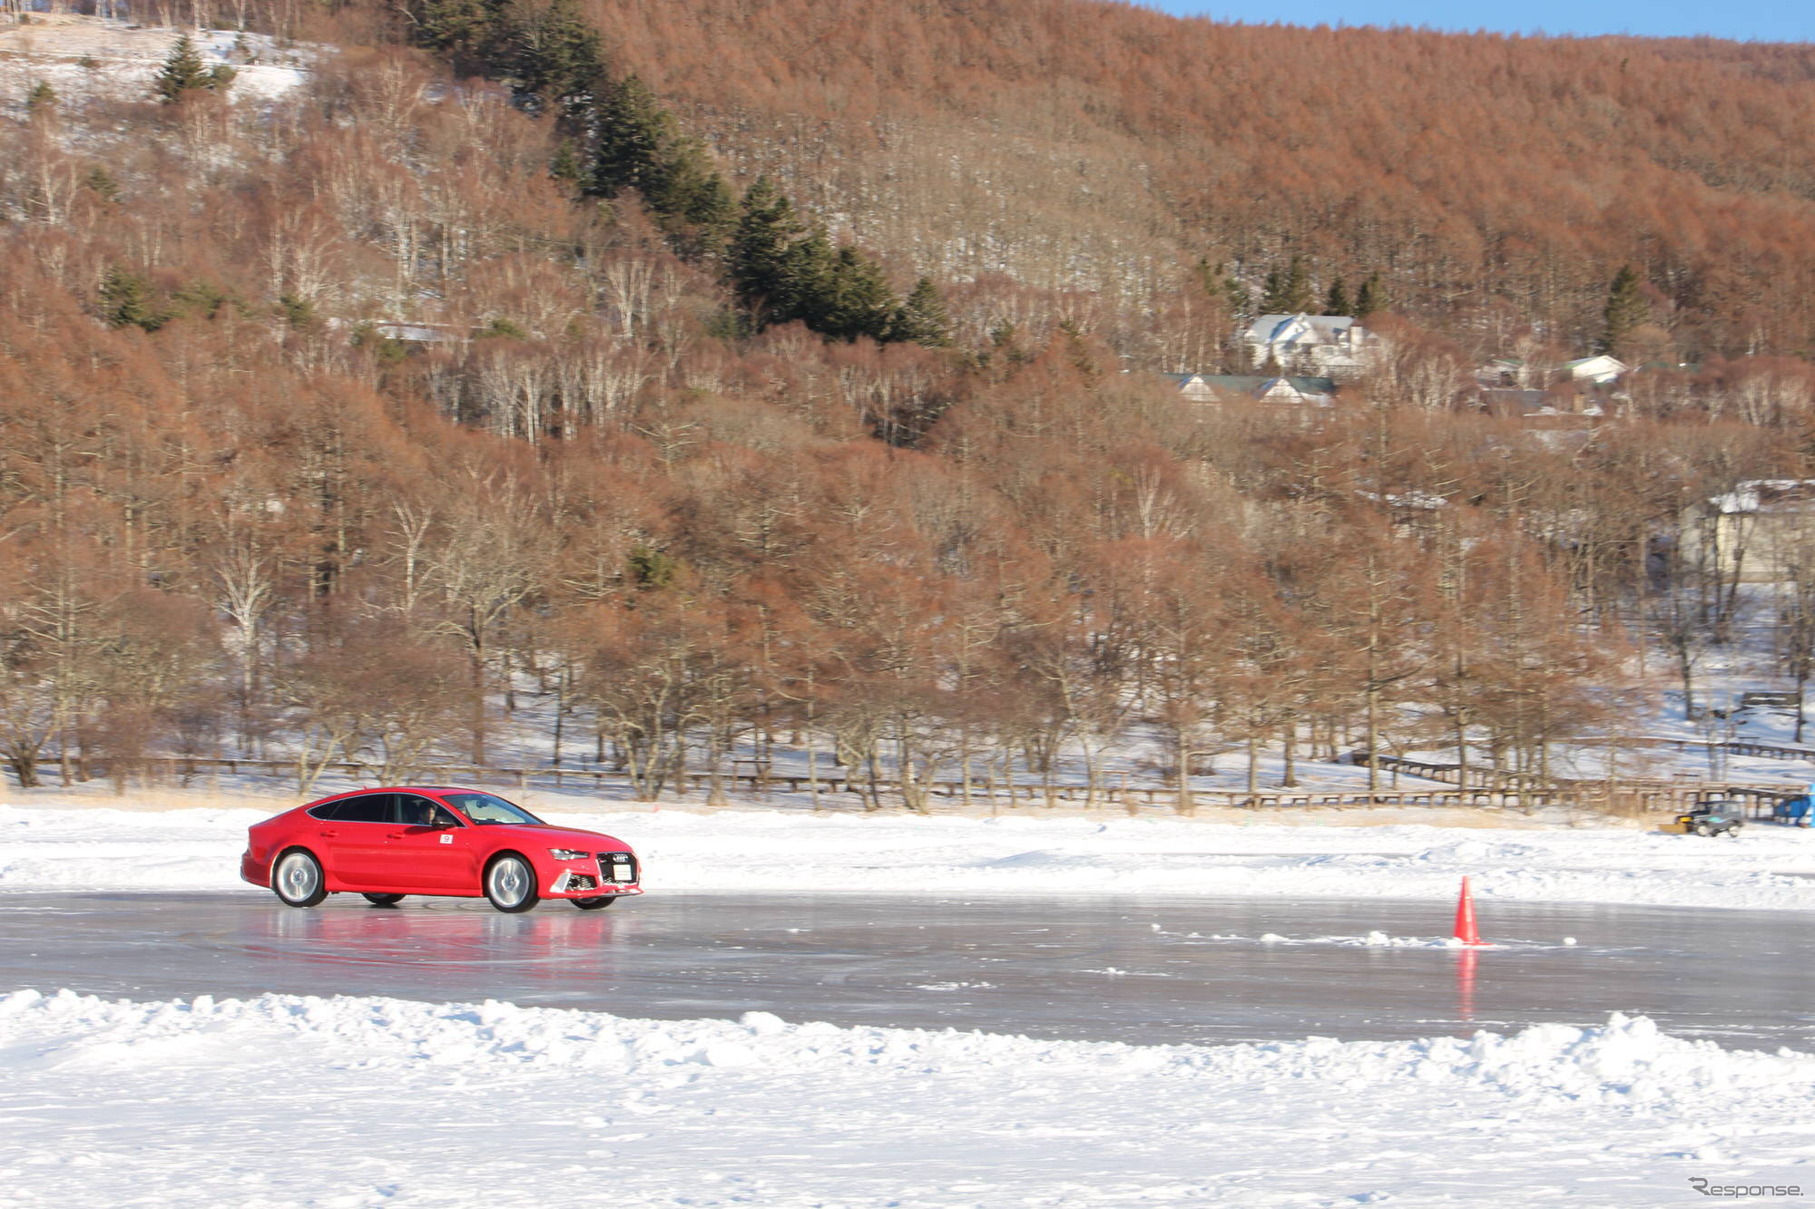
(1636, 795)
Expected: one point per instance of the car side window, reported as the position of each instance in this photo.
(413, 811)
(327, 813)
(367, 808)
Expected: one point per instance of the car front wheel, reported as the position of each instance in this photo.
(297, 879)
(510, 884)
(593, 904)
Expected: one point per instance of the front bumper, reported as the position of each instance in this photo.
(600, 875)
(563, 887)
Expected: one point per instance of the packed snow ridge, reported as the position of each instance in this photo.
(372, 1100)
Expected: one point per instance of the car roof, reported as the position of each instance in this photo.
(334, 797)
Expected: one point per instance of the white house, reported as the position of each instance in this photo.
(1330, 346)
(1759, 532)
(1207, 388)
(1597, 371)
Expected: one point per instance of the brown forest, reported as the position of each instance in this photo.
(341, 425)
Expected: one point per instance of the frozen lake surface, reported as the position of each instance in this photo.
(1133, 969)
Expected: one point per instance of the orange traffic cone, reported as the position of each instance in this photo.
(1466, 930)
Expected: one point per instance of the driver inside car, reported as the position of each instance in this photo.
(417, 812)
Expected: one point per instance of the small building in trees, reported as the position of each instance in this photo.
(1762, 531)
(1330, 346)
(1212, 388)
(1598, 370)
(1562, 407)
(1503, 373)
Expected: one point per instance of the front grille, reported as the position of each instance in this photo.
(619, 868)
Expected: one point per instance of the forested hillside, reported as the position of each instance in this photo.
(487, 367)
(1493, 181)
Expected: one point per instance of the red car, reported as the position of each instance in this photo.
(388, 843)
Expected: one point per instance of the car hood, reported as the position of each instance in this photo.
(566, 837)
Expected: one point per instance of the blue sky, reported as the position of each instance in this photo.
(1757, 20)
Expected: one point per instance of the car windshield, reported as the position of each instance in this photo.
(485, 809)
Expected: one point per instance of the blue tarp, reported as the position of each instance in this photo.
(1795, 811)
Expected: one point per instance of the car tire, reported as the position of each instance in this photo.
(1702, 829)
(594, 904)
(510, 884)
(383, 900)
(297, 879)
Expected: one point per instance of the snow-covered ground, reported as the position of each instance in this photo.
(82, 57)
(290, 1101)
(1315, 854)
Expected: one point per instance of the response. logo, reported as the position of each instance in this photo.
(1708, 1188)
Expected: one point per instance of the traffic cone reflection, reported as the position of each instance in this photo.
(1466, 930)
(1465, 983)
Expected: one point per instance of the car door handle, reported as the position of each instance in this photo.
(327, 834)
(397, 835)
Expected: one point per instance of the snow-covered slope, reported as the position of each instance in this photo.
(82, 57)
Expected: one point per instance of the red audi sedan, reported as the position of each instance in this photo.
(389, 843)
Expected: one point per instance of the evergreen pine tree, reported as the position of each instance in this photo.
(1273, 291)
(568, 165)
(464, 28)
(757, 260)
(554, 60)
(804, 289)
(923, 319)
(1288, 292)
(126, 301)
(1238, 296)
(634, 132)
(857, 301)
(1626, 309)
(41, 98)
(1337, 302)
(1371, 298)
(690, 199)
(102, 182)
(184, 73)
(639, 147)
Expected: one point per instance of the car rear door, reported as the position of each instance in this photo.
(421, 855)
(357, 853)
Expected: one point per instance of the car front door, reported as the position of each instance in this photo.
(429, 849)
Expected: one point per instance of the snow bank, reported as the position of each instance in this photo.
(286, 1100)
(50, 848)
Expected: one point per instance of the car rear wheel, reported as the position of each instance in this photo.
(510, 884)
(593, 904)
(384, 900)
(297, 879)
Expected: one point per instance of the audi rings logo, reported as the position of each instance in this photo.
(1708, 1188)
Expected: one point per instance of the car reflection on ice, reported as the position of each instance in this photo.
(434, 840)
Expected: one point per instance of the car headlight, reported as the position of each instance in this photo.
(568, 854)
